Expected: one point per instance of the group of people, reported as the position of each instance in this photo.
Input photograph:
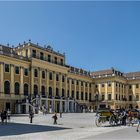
(5, 115)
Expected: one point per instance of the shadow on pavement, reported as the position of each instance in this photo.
(18, 129)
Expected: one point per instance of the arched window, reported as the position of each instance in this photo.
(57, 92)
(7, 87)
(35, 73)
(35, 90)
(26, 89)
(17, 88)
(63, 92)
(50, 92)
(43, 74)
(43, 90)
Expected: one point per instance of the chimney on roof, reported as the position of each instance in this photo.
(37, 44)
(29, 40)
(24, 42)
(8, 44)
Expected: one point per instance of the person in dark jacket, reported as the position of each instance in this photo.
(55, 118)
(2, 117)
(31, 115)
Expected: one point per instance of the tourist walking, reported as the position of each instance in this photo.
(2, 117)
(55, 118)
(138, 116)
(8, 114)
(31, 115)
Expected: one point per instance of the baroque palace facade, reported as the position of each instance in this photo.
(32, 76)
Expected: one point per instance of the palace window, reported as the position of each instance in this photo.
(7, 67)
(55, 60)
(109, 96)
(57, 77)
(137, 85)
(63, 92)
(50, 92)
(17, 88)
(81, 83)
(57, 92)
(82, 96)
(34, 53)
(137, 97)
(7, 87)
(41, 56)
(72, 81)
(35, 73)
(50, 76)
(49, 58)
(72, 94)
(26, 89)
(17, 70)
(35, 90)
(77, 95)
(89, 96)
(103, 97)
(109, 84)
(63, 78)
(77, 83)
(130, 97)
(43, 74)
(103, 85)
(130, 87)
(43, 90)
(86, 96)
(26, 72)
(61, 61)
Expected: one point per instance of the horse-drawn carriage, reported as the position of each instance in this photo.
(106, 116)
(116, 117)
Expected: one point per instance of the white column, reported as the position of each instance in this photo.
(12, 79)
(113, 90)
(70, 87)
(47, 83)
(2, 77)
(66, 107)
(106, 94)
(40, 81)
(46, 104)
(54, 84)
(75, 92)
(88, 91)
(66, 86)
(60, 84)
(84, 91)
(19, 108)
(32, 81)
(21, 80)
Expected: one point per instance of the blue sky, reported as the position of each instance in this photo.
(94, 35)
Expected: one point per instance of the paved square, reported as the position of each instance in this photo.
(72, 126)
